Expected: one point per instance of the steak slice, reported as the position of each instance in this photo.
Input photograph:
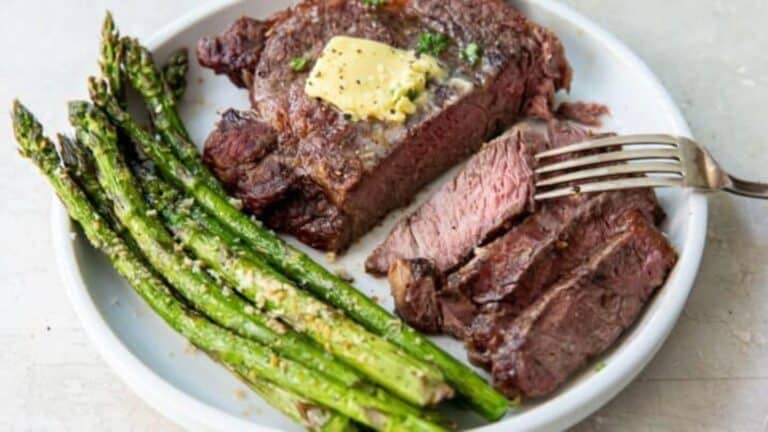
(530, 256)
(584, 313)
(496, 185)
(353, 173)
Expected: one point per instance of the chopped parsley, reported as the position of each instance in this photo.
(471, 53)
(373, 3)
(432, 43)
(298, 64)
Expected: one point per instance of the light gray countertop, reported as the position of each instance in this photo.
(712, 373)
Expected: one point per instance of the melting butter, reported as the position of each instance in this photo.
(369, 79)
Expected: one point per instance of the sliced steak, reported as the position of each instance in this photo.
(518, 265)
(509, 274)
(355, 172)
(584, 313)
(495, 186)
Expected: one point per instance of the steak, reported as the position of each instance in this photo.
(495, 186)
(584, 313)
(345, 175)
(513, 271)
(548, 269)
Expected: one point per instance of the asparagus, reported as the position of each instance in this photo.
(290, 404)
(115, 177)
(80, 166)
(35, 146)
(149, 233)
(258, 282)
(147, 80)
(175, 73)
(188, 277)
(112, 52)
(301, 268)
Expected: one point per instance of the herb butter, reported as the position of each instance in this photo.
(369, 79)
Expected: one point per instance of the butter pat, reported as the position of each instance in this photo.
(369, 79)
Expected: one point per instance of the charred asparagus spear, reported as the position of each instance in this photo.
(175, 73)
(145, 77)
(111, 58)
(411, 379)
(239, 356)
(301, 268)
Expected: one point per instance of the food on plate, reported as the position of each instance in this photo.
(357, 104)
(584, 313)
(229, 285)
(331, 174)
(480, 287)
(496, 185)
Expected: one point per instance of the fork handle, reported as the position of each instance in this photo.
(746, 188)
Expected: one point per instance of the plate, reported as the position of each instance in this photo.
(193, 391)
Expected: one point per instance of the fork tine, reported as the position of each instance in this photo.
(618, 140)
(627, 183)
(638, 168)
(616, 156)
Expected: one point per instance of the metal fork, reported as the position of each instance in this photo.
(653, 161)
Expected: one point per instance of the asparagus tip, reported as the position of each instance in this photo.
(108, 27)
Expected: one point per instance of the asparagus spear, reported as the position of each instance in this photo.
(175, 73)
(192, 282)
(34, 145)
(147, 80)
(112, 52)
(290, 404)
(81, 167)
(301, 268)
(259, 283)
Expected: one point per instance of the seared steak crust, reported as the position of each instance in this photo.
(352, 173)
(236, 51)
(240, 153)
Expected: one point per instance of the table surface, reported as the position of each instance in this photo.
(712, 373)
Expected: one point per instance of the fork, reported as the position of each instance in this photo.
(653, 161)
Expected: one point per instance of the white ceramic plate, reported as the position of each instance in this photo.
(193, 391)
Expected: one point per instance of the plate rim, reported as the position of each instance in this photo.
(560, 411)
